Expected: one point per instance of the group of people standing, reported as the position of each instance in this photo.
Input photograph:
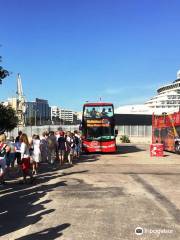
(29, 152)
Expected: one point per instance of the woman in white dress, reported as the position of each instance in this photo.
(36, 154)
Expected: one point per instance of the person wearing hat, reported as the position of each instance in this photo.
(4, 149)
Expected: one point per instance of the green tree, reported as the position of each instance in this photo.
(125, 139)
(30, 121)
(8, 118)
(3, 72)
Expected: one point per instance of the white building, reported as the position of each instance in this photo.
(64, 114)
(55, 112)
(79, 116)
(11, 102)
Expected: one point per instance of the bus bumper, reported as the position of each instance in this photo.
(95, 146)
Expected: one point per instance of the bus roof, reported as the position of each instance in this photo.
(97, 104)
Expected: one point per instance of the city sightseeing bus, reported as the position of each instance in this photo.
(166, 130)
(98, 128)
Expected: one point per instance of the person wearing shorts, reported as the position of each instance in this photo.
(77, 140)
(61, 147)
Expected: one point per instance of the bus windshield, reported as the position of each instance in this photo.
(98, 127)
(98, 112)
(99, 133)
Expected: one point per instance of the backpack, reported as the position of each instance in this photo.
(76, 140)
(51, 142)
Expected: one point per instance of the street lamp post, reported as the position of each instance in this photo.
(35, 118)
(39, 118)
(26, 115)
(35, 108)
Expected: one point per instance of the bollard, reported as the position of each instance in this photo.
(156, 150)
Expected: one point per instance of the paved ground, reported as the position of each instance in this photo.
(101, 197)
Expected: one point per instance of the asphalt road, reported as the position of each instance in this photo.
(101, 197)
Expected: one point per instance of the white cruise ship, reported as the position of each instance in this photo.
(167, 101)
(168, 98)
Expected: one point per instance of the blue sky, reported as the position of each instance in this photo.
(72, 51)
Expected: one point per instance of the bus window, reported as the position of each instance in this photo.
(164, 132)
(156, 132)
(178, 130)
(98, 112)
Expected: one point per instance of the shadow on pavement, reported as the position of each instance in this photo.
(21, 205)
(46, 234)
(87, 158)
(71, 173)
(123, 149)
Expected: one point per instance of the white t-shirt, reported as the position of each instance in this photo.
(24, 150)
(36, 145)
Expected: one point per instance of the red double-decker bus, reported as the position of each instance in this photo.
(166, 130)
(98, 128)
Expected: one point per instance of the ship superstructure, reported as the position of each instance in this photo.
(168, 98)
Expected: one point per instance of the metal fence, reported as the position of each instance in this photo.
(135, 131)
(130, 130)
(30, 130)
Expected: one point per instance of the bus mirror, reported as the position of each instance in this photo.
(116, 132)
